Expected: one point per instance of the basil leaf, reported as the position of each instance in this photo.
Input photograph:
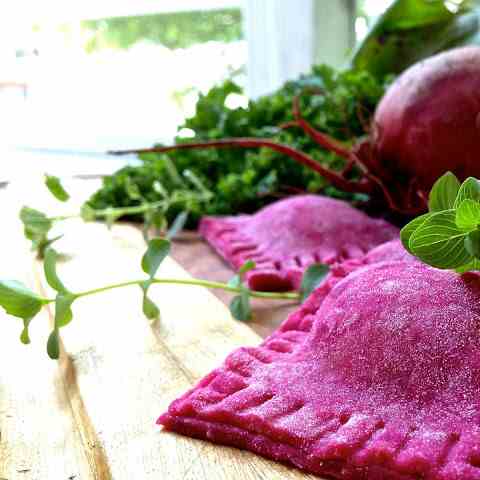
(469, 190)
(312, 278)
(50, 270)
(157, 250)
(18, 300)
(439, 242)
(53, 345)
(443, 193)
(56, 188)
(468, 215)
(407, 231)
(177, 225)
(63, 310)
(150, 309)
(240, 306)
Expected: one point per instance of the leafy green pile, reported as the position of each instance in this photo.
(245, 180)
(448, 237)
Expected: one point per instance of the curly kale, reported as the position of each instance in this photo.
(338, 103)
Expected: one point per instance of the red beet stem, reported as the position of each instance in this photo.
(246, 142)
(323, 140)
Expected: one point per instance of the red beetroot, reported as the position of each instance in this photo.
(428, 122)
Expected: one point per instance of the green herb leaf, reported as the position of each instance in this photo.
(247, 266)
(472, 266)
(443, 193)
(469, 190)
(150, 309)
(407, 231)
(50, 270)
(236, 280)
(157, 251)
(468, 215)
(439, 242)
(240, 306)
(177, 225)
(53, 345)
(63, 310)
(18, 300)
(35, 222)
(312, 278)
(87, 213)
(55, 187)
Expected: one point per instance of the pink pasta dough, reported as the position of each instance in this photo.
(375, 377)
(285, 238)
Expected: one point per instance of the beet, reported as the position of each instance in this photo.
(427, 123)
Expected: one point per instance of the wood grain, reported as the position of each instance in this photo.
(92, 415)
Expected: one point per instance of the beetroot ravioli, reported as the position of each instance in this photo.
(285, 238)
(375, 377)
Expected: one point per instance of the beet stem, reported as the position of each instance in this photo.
(245, 142)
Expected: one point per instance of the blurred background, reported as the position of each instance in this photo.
(79, 78)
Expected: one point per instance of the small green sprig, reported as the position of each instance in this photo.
(448, 237)
(38, 226)
(21, 302)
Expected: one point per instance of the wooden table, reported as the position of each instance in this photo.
(91, 415)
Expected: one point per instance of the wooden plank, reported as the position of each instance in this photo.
(39, 438)
(126, 371)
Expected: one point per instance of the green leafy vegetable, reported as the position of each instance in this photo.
(469, 190)
(448, 237)
(56, 188)
(240, 306)
(443, 193)
(157, 251)
(468, 215)
(50, 270)
(18, 300)
(312, 278)
(338, 103)
(411, 30)
(53, 345)
(150, 310)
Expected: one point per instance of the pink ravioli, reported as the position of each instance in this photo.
(285, 238)
(376, 377)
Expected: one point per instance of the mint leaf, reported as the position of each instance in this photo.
(469, 190)
(177, 225)
(312, 278)
(439, 242)
(468, 215)
(443, 193)
(157, 250)
(240, 306)
(17, 300)
(56, 188)
(407, 231)
(53, 345)
(63, 310)
(50, 270)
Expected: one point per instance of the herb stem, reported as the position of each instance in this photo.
(201, 283)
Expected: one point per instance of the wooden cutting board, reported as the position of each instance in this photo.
(92, 414)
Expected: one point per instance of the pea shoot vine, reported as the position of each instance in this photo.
(19, 301)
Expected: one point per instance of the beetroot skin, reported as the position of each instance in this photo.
(286, 237)
(377, 379)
